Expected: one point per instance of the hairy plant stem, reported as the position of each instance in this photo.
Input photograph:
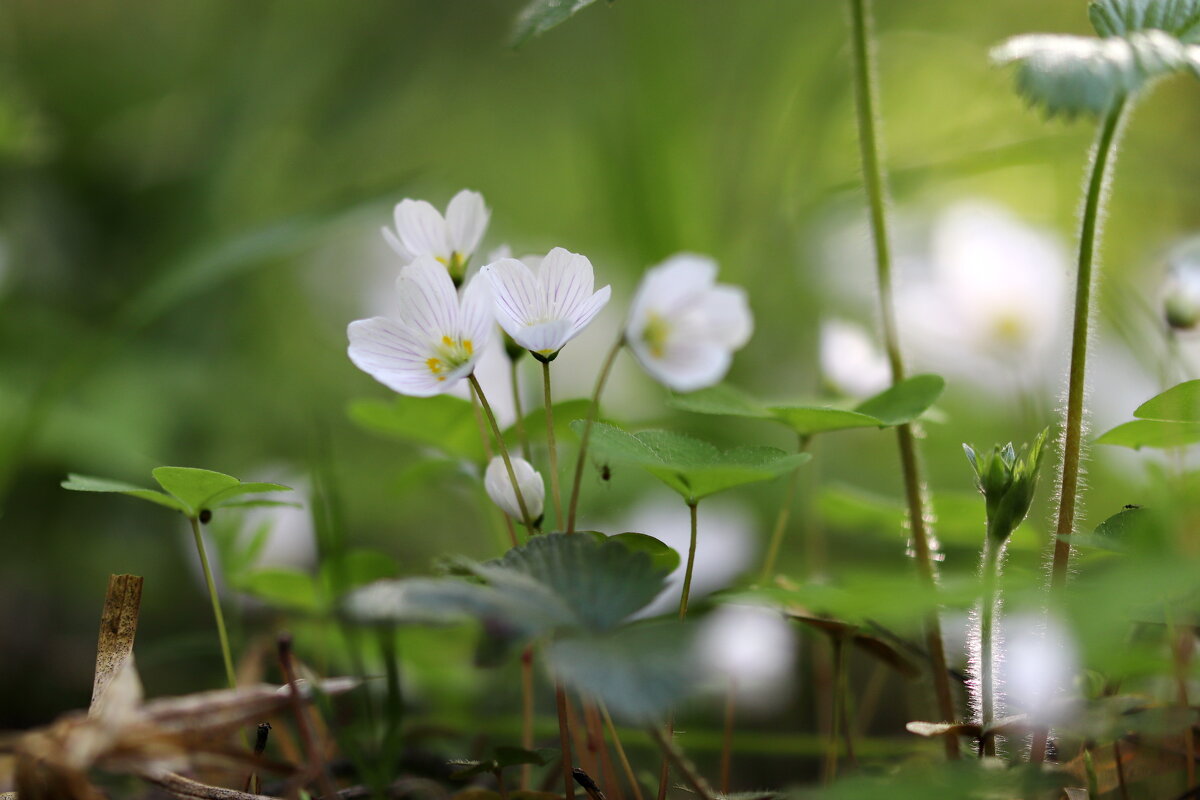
(1068, 479)
(522, 436)
(512, 476)
(584, 437)
(564, 741)
(691, 563)
(864, 93)
(987, 658)
(553, 446)
(781, 520)
(226, 653)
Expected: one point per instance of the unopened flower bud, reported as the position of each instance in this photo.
(1181, 292)
(1007, 481)
(529, 481)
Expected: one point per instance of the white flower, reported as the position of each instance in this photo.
(500, 488)
(755, 648)
(683, 326)
(1181, 291)
(434, 341)
(850, 360)
(542, 310)
(422, 231)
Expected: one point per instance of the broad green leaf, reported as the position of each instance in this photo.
(905, 401)
(355, 568)
(535, 422)
(1070, 75)
(1180, 18)
(721, 400)
(507, 756)
(193, 486)
(437, 601)
(1180, 403)
(227, 497)
(1152, 433)
(639, 671)
(663, 557)
(602, 582)
(87, 483)
(443, 422)
(807, 420)
(284, 588)
(692, 467)
(540, 16)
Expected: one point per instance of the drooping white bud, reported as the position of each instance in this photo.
(500, 488)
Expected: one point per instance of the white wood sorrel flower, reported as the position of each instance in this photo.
(436, 338)
(542, 310)
(683, 326)
(422, 231)
(500, 488)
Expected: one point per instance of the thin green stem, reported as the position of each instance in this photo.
(839, 669)
(691, 563)
(987, 658)
(585, 437)
(526, 713)
(624, 759)
(512, 475)
(394, 699)
(487, 453)
(864, 93)
(226, 653)
(552, 445)
(522, 436)
(687, 769)
(781, 520)
(1068, 480)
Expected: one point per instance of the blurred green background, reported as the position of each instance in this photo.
(189, 217)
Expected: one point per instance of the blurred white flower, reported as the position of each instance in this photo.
(433, 342)
(1181, 290)
(1037, 668)
(995, 296)
(683, 326)
(753, 647)
(500, 488)
(725, 546)
(544, 308)
(422, 231)
(851, 361)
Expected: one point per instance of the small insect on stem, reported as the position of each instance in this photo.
(205, 516)
(260, 740)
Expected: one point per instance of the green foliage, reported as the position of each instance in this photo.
(968, 779)
(540, 16)
(283, 588)
(897, 405)
(189, 491)
(1180, 18)
(1007, 481)
(692, 467)
(1169, 419)
(503, 756)
(662, 557)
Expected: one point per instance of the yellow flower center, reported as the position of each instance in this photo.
(451, 355)
(656, 333)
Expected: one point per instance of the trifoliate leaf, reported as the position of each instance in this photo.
(721, 400)
(904, 402)
(1152, 433)
(189, 491)
(692, 467)
(1180, 18)
(88, 483)
(542, 15)
(639, 672)
(1072, 75)
(193, 486)
(1180, 403)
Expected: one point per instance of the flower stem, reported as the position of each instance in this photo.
(522, 436)
(624, 759)
(526, 713)
(564, 741)
(839, 670)
(584, 437)
(691, 563)
(781, 521)
(552, 445)
(512, 475)
(1068, 479)
(487, 453)
(922, 542)
(987, 659)
(226, 653)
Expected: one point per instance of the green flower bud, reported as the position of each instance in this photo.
(1007, 481)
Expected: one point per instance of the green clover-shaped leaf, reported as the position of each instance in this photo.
(187, 490)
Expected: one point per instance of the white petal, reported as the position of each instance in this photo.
(585, 312)
(727, 316)
(515, 293)
(428, 301)
(685, 365)
(421, 229)
(476, 321)
(670, 288)
(466, 220)
(500, 488)
(396, 245)
(544, 338)
(566, 279)
(391, 354)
